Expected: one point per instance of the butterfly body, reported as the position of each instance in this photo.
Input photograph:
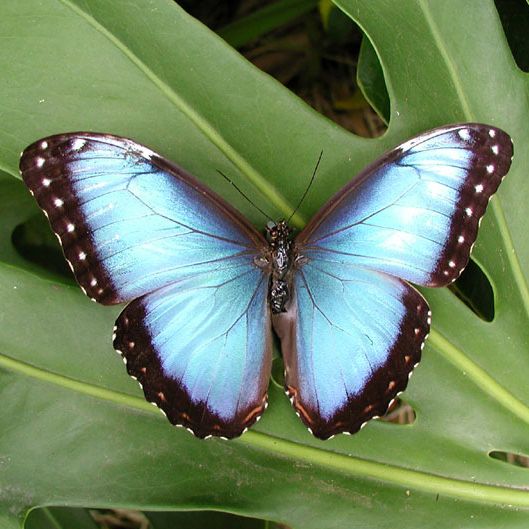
(282, 258)
(204, 288)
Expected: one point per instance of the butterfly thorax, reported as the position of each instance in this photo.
(278, 236)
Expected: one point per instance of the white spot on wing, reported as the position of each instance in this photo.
(46, 182)
(78, 144)
(479, 188)
(70, 227)
(490, 168)
(495, 149)
(44, 145)
(492, 133)
(464, 134)
(58, 202)
(39, 162)
(468, 211)
(82, 256)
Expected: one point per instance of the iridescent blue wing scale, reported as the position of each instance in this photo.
(208, 332)
(350, 340)
(415, 212)
(128, 220)
(133, 226)
(355, 327)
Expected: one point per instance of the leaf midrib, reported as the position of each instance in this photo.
(252, 174)
(349, 465)
(479, 376)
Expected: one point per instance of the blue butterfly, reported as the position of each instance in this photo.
(205, 288)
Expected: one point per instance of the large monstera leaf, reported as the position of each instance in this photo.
(76, 431)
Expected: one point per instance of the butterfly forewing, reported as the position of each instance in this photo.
(415, 212)
(128, 220)
(134, 226)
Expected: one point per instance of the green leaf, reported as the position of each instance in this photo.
(270, 17)
(76, 430)
(9, 521)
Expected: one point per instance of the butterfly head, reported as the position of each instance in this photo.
(278, 234)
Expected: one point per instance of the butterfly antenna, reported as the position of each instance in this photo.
(308, 187)
(229, 180)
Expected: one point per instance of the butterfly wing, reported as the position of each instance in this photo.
(128, 220)
(349, 339)
(201, 349)
(133, 225)
(355, 329)
(415, 212)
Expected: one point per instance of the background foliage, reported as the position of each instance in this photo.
(75, 430)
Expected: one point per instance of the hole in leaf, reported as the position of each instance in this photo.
(35, 242)
(71, 517)
(370, 79)
(278, 366)
(473, 288)
(207, 519)
(518, 460)
(315, 50)
(399, 412)
(514, 16)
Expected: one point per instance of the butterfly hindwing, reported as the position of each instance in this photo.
(415, 212)
(350, 338)
(133, 226)
(201, 349)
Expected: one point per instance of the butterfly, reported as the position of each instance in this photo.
(204, 288)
